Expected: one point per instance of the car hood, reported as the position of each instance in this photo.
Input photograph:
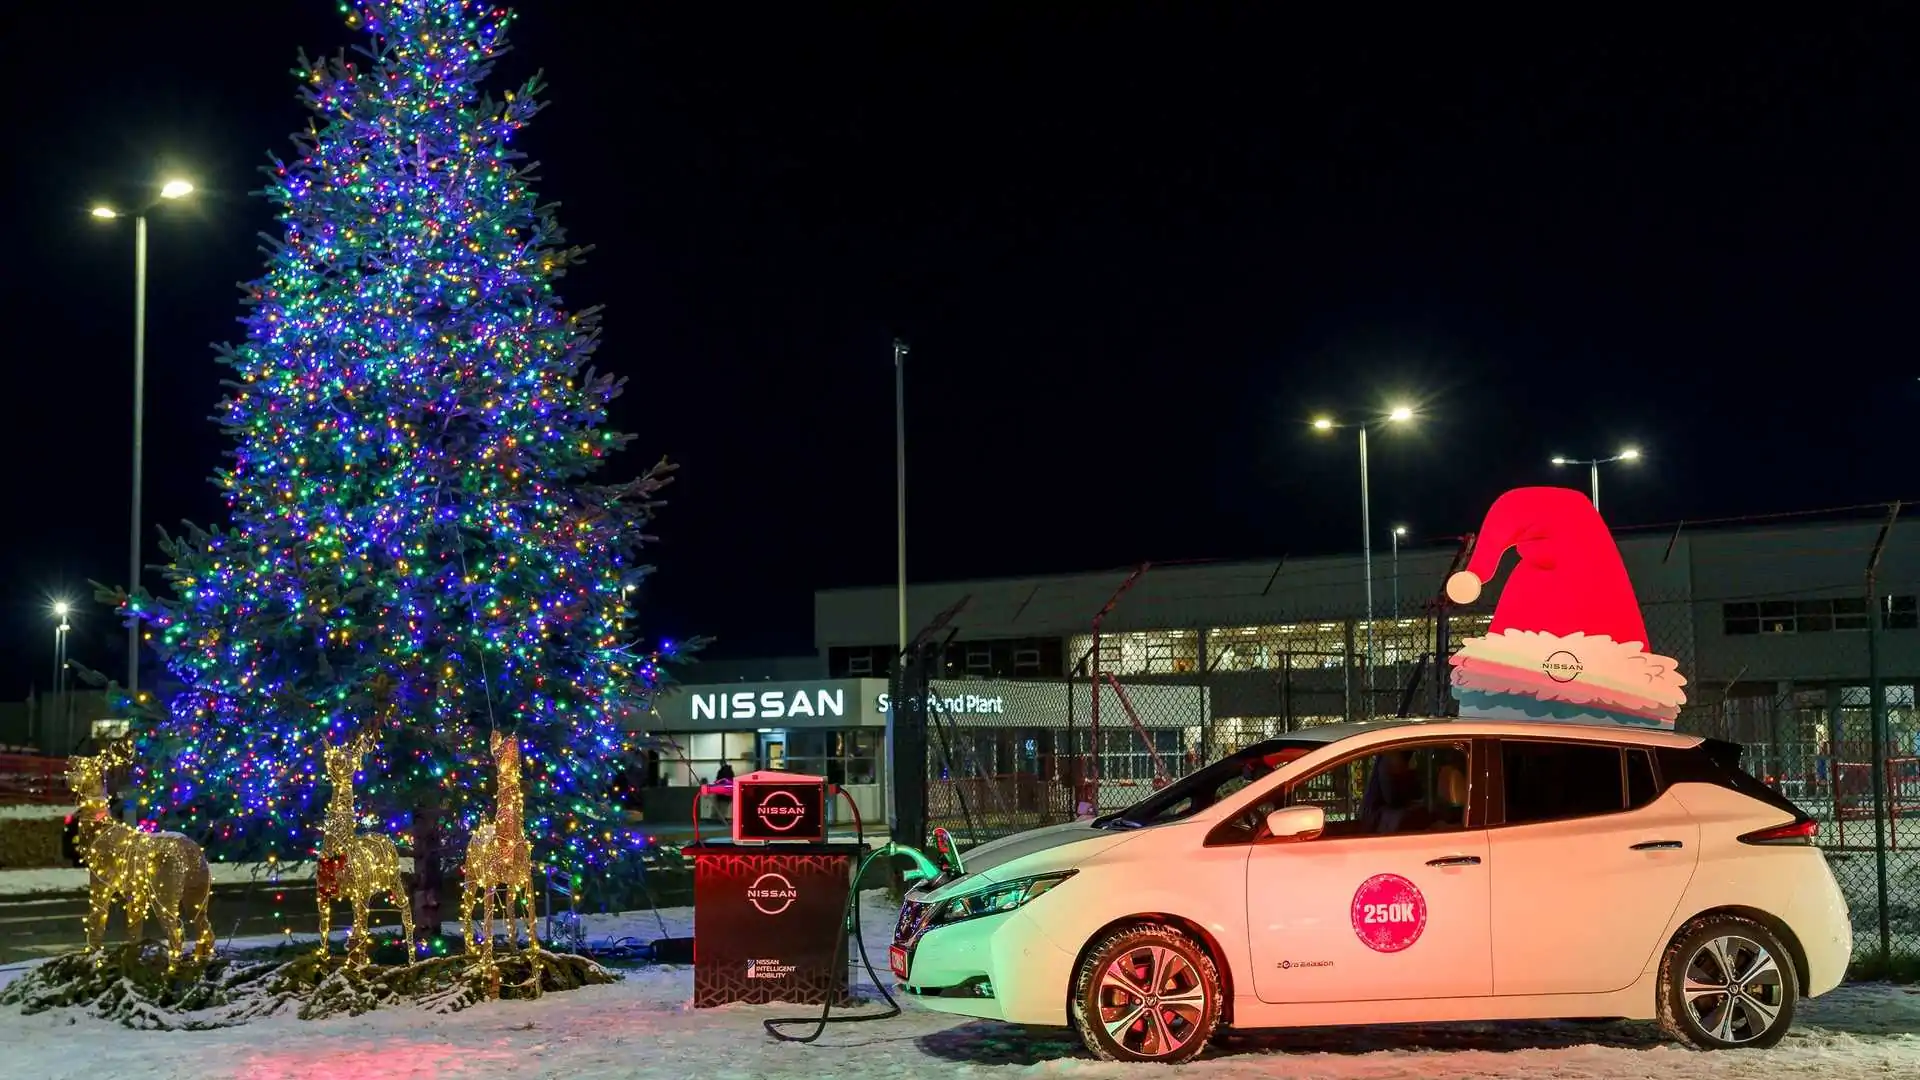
(1039, 851)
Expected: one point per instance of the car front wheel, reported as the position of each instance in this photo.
(1726, 982)
(1147, 993)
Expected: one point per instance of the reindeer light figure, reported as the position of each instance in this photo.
(354, 867)
(162, 871)
(498, 854)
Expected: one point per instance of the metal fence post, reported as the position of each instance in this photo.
(1877, 723)
(907, 704)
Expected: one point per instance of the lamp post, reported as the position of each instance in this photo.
(891, 730)
(56, 697)
(1398, 532)
(170, 191)
(1399, 414)
(1593, 467)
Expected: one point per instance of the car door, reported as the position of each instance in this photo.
(1391, 901)
(1590, 861)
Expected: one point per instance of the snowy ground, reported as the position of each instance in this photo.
(645, 1027)
(73, 879)
(25, 813)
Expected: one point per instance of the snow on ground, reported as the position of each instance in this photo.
(644, 1026)
(34, 812)
(73, 879)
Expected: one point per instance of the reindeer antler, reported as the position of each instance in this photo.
(117, 754)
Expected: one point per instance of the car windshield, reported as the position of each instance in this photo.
(1198, 790)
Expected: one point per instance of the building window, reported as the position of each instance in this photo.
(1004, 658)
(843, 757)
(1300, 646)
(1813, 616)
(848, 661)
(1902, 613)
(1143, 652)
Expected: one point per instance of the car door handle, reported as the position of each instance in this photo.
(1659, 845)
(1455, 860)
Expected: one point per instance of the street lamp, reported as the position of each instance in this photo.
(1399, 531)
(57, 696)
(171, 190)
(1630, 453)
(1398, 414)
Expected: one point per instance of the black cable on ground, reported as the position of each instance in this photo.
(850, 925)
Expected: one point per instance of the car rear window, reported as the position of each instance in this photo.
(1717, 762)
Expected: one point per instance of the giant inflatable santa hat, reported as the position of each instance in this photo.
(1567, 642)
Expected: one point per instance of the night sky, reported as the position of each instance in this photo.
(1134, 247)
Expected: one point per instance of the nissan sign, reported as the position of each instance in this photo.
(769, 704)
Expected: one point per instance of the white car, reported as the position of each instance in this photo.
(1399, 872)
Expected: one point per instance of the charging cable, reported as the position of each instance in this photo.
(850, 926)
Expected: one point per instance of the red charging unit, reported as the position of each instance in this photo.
(768, 907)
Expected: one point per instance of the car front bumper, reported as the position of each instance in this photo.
(996, 967)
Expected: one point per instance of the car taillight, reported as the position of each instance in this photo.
(1793, 832)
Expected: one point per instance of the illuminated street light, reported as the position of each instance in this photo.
(170, 191)
(1631, 453)
(1397, 414)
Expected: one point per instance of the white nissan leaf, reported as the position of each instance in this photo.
(1417, 871)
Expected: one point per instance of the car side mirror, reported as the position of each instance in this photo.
(1295, 823)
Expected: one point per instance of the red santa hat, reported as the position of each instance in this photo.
(1570, 579)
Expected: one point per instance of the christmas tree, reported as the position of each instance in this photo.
(417, 547)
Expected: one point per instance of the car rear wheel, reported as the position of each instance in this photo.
(1726, 982)
(1147, 993)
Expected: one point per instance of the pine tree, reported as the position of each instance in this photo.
(415, 542)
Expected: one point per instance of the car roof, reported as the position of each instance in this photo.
(1620, 733)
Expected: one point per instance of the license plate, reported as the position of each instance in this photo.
(897, 960)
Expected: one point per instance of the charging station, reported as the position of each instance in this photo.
(770, 903)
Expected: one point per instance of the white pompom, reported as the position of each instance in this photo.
(1463, 587)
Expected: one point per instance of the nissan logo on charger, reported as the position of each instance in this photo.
(771, 894)
(775, 807)
(780, 810)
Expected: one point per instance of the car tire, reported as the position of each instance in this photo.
(1117, 1011)
(1727, 983)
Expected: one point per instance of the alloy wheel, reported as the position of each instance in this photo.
(1734, 989)
(1152, 1001)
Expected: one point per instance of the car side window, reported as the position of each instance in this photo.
(1395, 790)
(1553, 781)
(1641, 788)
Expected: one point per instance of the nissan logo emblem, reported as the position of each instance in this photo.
(771, 894)
(781, 815)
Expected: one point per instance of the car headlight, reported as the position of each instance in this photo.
(1004, 896)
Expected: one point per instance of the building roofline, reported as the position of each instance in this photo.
(1863, 514)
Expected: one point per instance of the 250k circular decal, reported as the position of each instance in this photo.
(1389, 913)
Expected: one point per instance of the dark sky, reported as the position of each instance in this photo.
(1134, 248)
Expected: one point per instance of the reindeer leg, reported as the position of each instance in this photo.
(137, 902)
(469, 907)
(487, 906)
(99, 908)
(405, 901)
(169, 915)
(358, 938)
(203, 927)
(533, 938)
(326, 925)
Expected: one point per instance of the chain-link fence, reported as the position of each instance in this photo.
(1790, 680)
